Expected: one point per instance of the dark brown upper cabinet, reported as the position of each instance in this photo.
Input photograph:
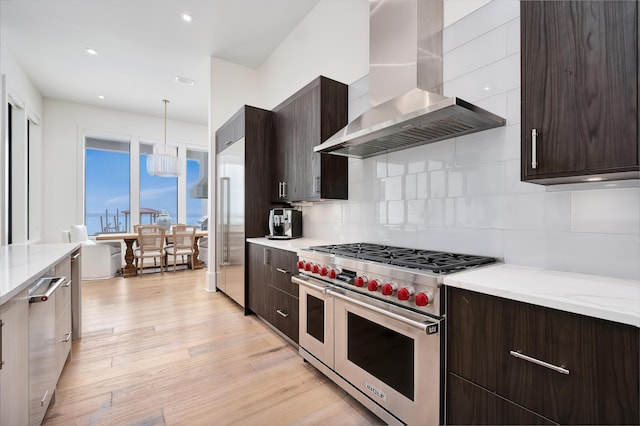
(579, 90)
(304, 120)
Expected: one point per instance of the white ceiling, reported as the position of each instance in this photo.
(142, 46)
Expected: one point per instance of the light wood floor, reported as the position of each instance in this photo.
(160, 350)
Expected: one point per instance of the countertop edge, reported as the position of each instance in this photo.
(58, 252)
(292, 245)
(514, 283)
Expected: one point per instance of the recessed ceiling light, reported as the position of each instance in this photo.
(187, 18)
(100, 97)
(91, 51)
(487, 88)
(184, 80)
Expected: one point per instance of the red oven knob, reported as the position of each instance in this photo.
(315, 269)
(404, 293)
(333, 274)
(423, 299)
(388, 289)
(324, 271)
(300, 264)
(360, 281)
(307, 266)
(373, 285)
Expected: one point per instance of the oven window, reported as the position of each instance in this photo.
(383, 353)
(315, 317)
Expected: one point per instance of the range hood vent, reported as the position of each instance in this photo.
(200, 189)
(417, 116)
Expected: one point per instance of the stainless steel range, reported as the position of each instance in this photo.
(371, 319)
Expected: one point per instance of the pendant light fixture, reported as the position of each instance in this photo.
(164, 160)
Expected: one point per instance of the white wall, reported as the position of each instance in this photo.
(64, 125)
(26, 105)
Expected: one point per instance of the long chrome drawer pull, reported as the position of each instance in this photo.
(282, 313)
(520, 355)
(75, 256)
(308, 284)
(284, 271)
(422, 326)
(67, 338)
(44, 297)
(44, 398)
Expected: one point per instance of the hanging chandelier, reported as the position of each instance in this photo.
(164, 160)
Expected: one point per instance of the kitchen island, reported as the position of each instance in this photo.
(35, 338)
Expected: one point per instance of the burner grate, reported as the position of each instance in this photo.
(426, 260)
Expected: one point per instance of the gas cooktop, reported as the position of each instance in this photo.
(424, 260)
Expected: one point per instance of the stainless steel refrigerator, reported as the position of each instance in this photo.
(230, 229)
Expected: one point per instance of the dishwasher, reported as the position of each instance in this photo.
(42, 345)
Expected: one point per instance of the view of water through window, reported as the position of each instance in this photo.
(107, 188)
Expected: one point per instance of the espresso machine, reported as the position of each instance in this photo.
(284, 224)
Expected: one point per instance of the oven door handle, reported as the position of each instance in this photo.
(306, 283)
(422, 326)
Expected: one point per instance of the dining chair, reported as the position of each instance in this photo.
(183, 242)
(150, 244)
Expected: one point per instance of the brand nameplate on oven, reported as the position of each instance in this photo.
(432, 329)
(375, 391)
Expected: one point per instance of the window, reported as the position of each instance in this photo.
(107, 184)
(156, 193)
(197, 184)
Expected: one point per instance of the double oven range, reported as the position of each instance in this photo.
(372, 320)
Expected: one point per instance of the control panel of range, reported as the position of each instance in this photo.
(378, 284)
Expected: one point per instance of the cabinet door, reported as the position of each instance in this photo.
(472, 324)
(284, 128)
(232, 130)
(259, 273)
(579, 90)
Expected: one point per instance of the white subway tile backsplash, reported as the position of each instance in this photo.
(513, 36)
(500, 76)
(513, 184)
(612, 211)
(393, 188)
(481, 21)
(557, 211)
(513, 107)
(422, 186)
(524, 212)
(395, 212)
(410, 187)
(438, 184)
(484, 50)
(483, 147)
(417, 212)
(526, 248)
(485, 179)
(599, 254)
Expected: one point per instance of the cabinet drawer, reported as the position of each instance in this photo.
(284, 312)
(601, 359)
(63, 339)
(469, 404)
(63, 297)
(285, 265)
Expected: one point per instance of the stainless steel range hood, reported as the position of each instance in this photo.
(405, 78)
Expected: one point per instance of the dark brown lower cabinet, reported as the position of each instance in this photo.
(592, 371)
(272, 295)
(478, 406)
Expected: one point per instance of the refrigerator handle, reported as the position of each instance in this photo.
(226, 217)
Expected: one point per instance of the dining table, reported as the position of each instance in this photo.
(129, 269)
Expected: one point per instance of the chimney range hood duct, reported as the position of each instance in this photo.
(405, 79)
(200, 189)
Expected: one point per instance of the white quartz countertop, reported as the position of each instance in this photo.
(293, 244)
(21, 264)
(601, 297)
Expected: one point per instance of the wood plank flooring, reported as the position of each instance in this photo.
(160, 350)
